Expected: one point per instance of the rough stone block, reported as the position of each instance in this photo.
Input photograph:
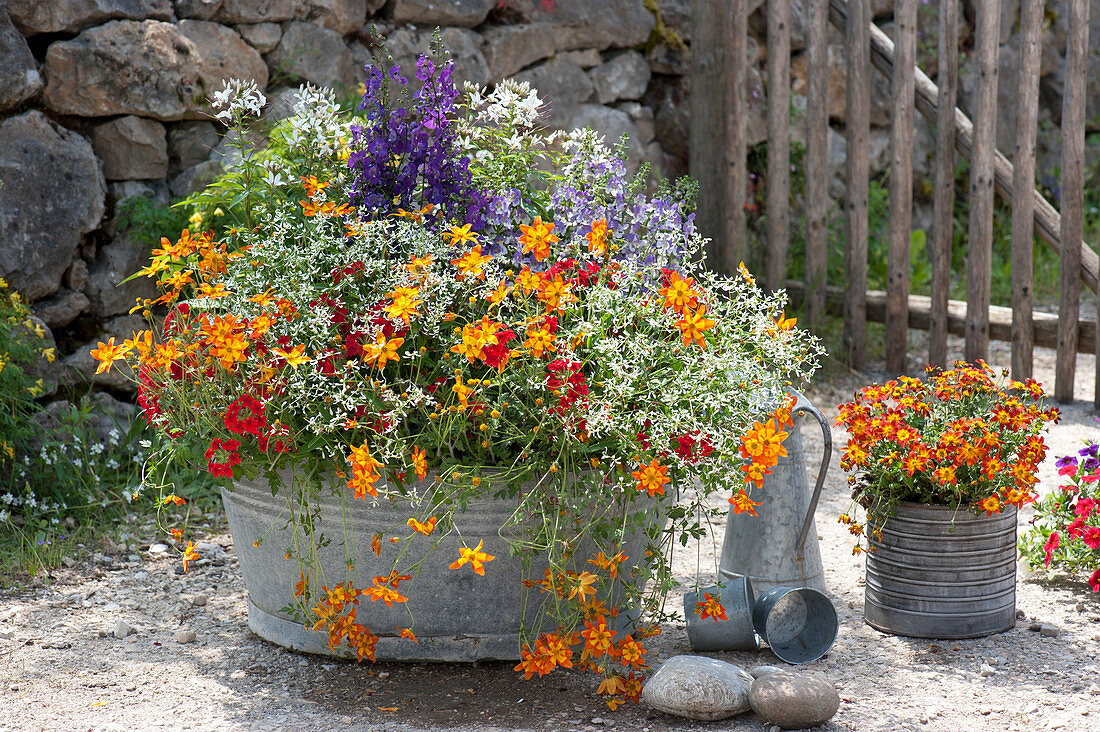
(131, 148)
(53, 195)
(70, 16)
(165, 71)
(19, 77)
(314, 54)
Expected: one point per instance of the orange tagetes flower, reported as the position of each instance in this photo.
(651, 478)
(470, 264)
(474, 557)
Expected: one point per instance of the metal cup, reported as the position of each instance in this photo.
(799, 624)
(733, 634)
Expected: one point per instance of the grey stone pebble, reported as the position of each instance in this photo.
(698, 688)
(760, 671)
(158, 549)
(987, 670)
(198, 600)
(185, 636)
(1050, 631)
(794, 700)
(123, 629)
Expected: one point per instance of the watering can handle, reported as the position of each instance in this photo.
(803, 405)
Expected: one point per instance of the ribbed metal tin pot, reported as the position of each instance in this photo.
(938, 572)
(457, 615)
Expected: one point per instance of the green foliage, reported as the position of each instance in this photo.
(147, 221)
(21, 347)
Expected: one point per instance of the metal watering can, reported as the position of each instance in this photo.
(778, 547)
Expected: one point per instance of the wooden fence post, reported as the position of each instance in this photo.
(777, 222)
(817, 142)
(901, 186)
(857, 133)
(1023, 186)
(979, 257)
(1072, 202)
(943, 206)
(717, 127)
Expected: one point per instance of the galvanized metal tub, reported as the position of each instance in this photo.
(457, 615)
(937, 572)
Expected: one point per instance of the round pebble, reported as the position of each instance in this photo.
(698, 688)
(794, 700)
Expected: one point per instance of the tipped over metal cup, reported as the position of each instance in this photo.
(799, 624)
(735, 633)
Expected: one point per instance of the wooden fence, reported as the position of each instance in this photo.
(718, 114)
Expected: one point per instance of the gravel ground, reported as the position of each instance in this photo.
(63, 668)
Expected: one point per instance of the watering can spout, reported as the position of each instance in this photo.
(778, 547)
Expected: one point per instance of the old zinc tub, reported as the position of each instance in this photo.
(457, 615)
(938, 572)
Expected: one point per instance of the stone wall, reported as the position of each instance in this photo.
(101, 100)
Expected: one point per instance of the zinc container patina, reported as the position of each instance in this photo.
(940, 572)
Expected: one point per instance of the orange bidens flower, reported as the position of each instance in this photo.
(537, 238)
(361, 641)
(473, 557)
(460, 234)
(107, 353)
(313, 186)
(582, 585)
(710, 608)
(598, 638)
(415, 216)
(364, 472)
(539, 340)
(173, 498)
(388, 595)
(189, 554)
(553, 292)
(294, 357)
(597, 238)
(470, 264)
(651, 478)
(407, 633)
(425, 528)
(631, 652)
(528, 280)
(610, 564)
(224, 336)
(991, 505)
(693, 325)
(382, 351)
(762, 446)
(743, 504)
(678, 294)
(403, 303)
(420, 463)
